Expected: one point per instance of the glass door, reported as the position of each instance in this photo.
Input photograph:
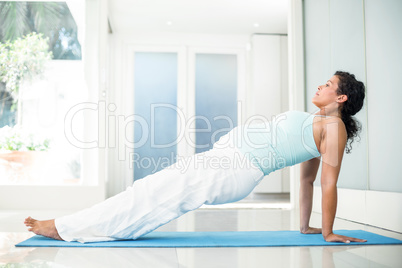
(182, 101)
(215, 97)
(155, 112)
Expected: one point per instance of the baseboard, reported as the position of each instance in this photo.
(380, 209)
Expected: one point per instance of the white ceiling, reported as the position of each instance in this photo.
(199, 16)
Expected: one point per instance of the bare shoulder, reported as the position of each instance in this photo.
(329, 123)
(336, 124)
(329, 129)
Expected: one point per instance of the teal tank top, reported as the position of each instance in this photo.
(284, 141)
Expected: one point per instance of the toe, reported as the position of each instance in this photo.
(32, 221)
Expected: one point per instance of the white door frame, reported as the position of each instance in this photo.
(296, 80)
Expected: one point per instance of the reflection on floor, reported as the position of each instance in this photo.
(258, 200)
(13, 231)
(267, 198)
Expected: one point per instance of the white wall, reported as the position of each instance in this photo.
(364, 38)
(384, 69)
(269, 93)
(332, 43)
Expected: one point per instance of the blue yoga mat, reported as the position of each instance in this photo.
(220, 239)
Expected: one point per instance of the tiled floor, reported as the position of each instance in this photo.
(13, 231)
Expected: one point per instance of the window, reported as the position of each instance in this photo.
(53, 19)
(45, 102)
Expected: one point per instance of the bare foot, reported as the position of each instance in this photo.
(45, 228)
(311, 230)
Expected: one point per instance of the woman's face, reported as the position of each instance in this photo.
(326, 94)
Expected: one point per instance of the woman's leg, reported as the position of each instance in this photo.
(213, 177)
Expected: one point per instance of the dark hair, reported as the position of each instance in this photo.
(355, 90)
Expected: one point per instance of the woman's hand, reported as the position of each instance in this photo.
(341, 238)
(311, 230)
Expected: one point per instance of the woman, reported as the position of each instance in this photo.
(231, 170)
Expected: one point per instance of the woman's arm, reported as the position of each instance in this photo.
(332, 145)
(308, 173)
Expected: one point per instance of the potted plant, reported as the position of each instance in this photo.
(22, 155)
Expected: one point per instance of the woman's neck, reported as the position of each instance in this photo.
(329, 112)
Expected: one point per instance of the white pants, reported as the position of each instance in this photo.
(220, 175)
